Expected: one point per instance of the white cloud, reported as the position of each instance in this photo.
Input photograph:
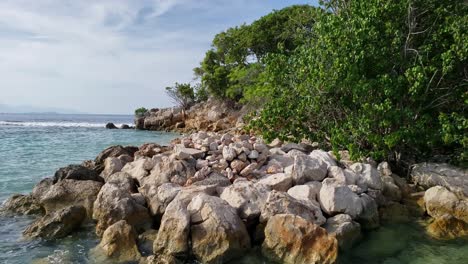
(110, 55)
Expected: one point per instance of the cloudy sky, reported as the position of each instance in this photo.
(109, 56)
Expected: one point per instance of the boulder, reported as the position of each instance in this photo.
(324, 156)
(279, 182)
(308, 192)
(217, 233)
(282, 203)
(71, 192)
(440, 201)
(140, 168)
(169, 169)
(336, 198)
(158, 198)
(306, 169)
(41, 188)
(345, 176)
(246, 197)
(115, 202)
(183, 153)
(19, 204)
(291, 239)
(346, 231)
(125, 126)
(149, 150)
(368, 176)
(114, 151)
(76, 172)
(429, 175)
(369, 217)
(390, 190)
(111, 166)
(57, 224)
(173, 234)
(229, 153)
(293, 146)
(111, 126)
(118, 244)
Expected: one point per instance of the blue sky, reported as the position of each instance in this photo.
(109, 56)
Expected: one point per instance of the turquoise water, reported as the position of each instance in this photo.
(34, 146)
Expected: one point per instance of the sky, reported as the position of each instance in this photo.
(109, 56)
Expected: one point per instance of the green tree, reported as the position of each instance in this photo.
(182, 94)
(377, 77)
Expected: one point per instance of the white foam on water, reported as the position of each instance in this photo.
(53, 124)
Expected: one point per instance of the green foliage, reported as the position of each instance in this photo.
(233, 67)
(376, 77)
(182, 94)
(140, 111)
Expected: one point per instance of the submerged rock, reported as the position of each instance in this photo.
(439, 202)
(57, 224)
(447, 227)
(291, 239)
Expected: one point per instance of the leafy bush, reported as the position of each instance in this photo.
(182, 94)
(378, 77)
(140, 111)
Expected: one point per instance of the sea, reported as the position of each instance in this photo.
(34, 146)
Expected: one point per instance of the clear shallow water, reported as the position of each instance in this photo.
(34, 146)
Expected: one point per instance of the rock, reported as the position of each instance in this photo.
(111, 126)
(246, 197)
(279, 182)
(368, 176)
(384, 169)
(158, 198)
(447, 227)
(260, 147)
(229, 153)
(183, 153)
(217, 233)
(390, 190)
(125, 126)
(118, 244)
(149, 150)
(57, 224)
(307, 169)
(247, 171)
(173, 235)
(323, 156)
(111, 166)
(346, 176)
(439, 202)
(276, 143)
(238, 165)
(169, 169)
(308, 192)
(346, 231)
(41, 188)
(214, 179)
(254, 154)
(291, 239)
(19, 204)
(282, 203)
(76, 172)
(66, 193)
(114, 151)
(369, 217)
(336, 198)
(432, 174)
(139, 169)
(293, 146)
(115, 202)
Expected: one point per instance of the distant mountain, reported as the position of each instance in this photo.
(35, 109)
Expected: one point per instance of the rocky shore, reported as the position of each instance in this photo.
(212, 115)
(211, 197)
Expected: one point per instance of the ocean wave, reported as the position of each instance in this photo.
(53, 124)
